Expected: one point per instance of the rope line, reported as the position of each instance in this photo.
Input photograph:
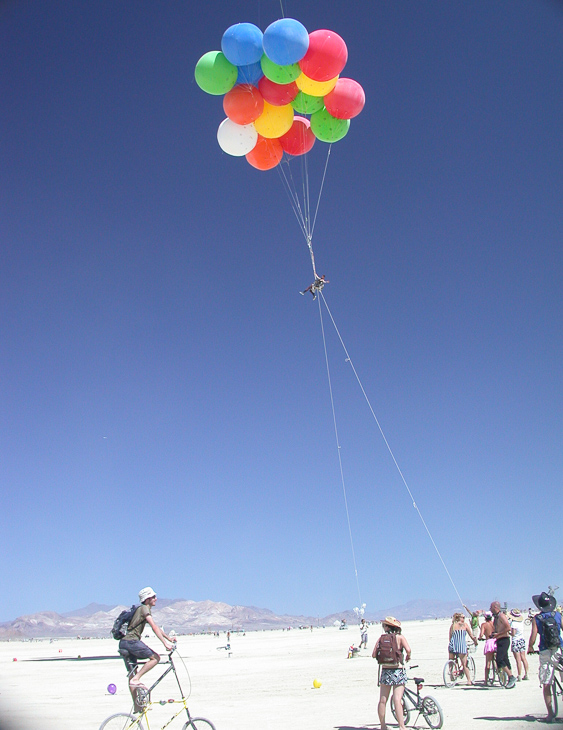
(338, 450)
(349, 360)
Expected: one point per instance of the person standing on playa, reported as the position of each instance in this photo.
(490, 648)
(458, 641)
(518, 645)
(388, 651)
(474, 619)
(550, 644)
(363, 634)
(132, 643)
(502, 636)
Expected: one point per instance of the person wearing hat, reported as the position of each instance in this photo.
(546, 605)
(518, 644)
(132, 643)
(393, 676)
(502, 636)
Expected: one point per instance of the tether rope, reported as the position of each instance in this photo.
(349, 360)
(338, 450)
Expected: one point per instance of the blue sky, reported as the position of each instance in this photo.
(166, 416)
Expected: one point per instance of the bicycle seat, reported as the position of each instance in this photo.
(418, 680)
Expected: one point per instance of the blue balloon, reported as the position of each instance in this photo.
(242, 44)
(250, 74)
(286, 41)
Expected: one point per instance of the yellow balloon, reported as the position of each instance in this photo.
(315, 88)
(316, 683)
(274, 120)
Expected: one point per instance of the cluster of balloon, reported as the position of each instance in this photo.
(267, 77)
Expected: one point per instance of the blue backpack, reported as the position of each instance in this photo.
(123, 620)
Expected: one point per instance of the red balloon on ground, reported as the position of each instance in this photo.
(277, 94)
(266, 155)
(300, 139)
(326, 57)
(243, 104)
(346, 100)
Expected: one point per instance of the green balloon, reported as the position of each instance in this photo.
(307, 104)
(279, 74)
(327, 128)
(214, 74)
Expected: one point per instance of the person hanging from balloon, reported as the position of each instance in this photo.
(316, 286)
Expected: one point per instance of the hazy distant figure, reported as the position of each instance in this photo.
(363, 634)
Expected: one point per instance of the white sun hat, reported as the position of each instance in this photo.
(146, 593)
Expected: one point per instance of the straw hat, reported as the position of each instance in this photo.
(391, 621)
(515, 614)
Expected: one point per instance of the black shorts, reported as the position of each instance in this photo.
(503, 645)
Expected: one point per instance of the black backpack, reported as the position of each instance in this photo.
(551, 636)
(122, 620)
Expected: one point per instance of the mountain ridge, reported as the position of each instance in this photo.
(187, 617)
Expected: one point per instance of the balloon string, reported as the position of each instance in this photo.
(349, 360)
(339, 452)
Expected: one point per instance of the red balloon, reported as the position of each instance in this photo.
(266, 155)
(300, 137)
(326, 57)
(243, 104)
(277, 94)
(346, 100)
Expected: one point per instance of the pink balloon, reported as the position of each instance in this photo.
(300, 138)
(326, 57)
(277, 94)
(346, 100)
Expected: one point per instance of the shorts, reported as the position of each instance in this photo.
(393, 676)
(503, 645)
(546, 667)
(137, 649)
(518, 645)
(490, 646)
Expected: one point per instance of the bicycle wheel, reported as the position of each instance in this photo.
(122, 721)
(502, 677)
(451, 674)
(406, 709)
(198, 723)
(432, 712)
(471, 667)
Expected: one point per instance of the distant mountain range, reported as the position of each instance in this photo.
(189, 617)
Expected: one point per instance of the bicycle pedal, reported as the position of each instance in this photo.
(142, 696)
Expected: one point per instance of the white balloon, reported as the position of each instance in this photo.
(236, 139)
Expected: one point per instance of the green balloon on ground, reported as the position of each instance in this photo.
(279, 74)
(328, 129)
(214, 74)
(307, 104)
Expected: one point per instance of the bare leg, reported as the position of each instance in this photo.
(463, 658)
(398, 691)
(147, 666)
(547, 700)
(518, 661)
(525, 663)
(384, 692)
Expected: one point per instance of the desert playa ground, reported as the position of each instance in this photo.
(264, 683)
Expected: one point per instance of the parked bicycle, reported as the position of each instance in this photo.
(427, 706)
(125, 721)
(453, 670)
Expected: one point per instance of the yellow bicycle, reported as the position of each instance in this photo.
(125, 721)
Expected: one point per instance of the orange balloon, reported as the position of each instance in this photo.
(243, 104)
(266, 155)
